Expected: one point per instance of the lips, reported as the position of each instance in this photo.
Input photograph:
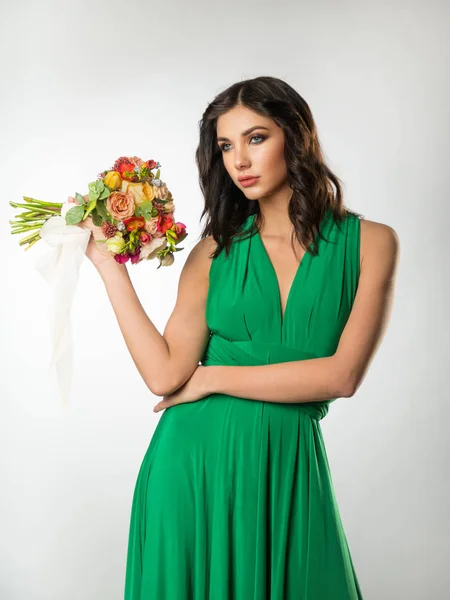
(247, 177)
(249, 182)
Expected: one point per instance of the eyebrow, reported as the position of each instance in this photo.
(246, 132)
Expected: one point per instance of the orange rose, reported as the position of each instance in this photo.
(120, 205)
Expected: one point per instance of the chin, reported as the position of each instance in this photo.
(252, 194)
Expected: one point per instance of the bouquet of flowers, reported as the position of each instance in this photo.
(131, 204)
(135, 211)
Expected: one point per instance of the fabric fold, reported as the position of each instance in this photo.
(60, 269)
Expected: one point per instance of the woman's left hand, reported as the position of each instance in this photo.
(194, 389)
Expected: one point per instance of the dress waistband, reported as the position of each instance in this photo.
(221, 351)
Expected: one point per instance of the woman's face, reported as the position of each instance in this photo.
(259, 152)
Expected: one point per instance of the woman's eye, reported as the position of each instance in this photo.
(261, 137)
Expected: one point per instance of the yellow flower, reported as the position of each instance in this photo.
(136, 189)
(113, 180)
(115, 244)
(149, 190)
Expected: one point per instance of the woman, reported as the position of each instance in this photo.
(284, 302)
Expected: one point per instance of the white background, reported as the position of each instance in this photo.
(83, 83)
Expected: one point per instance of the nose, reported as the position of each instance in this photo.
(241, 160)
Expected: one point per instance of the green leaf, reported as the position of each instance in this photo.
(105, 193)
(95, 189)
(74, 215)
(92, 204)
(96, 218)
(146, 205)
(145, 210)
(181, 238)
(79, 199)
(157, 174)
(101, 209)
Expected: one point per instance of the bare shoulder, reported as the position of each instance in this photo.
(379, 248)
(199, 260)
(193, 285)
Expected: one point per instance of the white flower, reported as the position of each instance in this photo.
(150, 250)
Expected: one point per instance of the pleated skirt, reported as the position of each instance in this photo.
(234, 501)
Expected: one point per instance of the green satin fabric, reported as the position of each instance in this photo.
(234, 499)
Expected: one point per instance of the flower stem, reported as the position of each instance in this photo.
(42, 202)
(29, 238)
(51, 211)
(24, 229)
(31, 243)
(28, 215)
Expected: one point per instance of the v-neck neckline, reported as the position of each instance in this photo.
(306, 256)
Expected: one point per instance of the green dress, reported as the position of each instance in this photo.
(234, 498)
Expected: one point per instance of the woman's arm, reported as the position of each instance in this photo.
(341, 374)
(165, 361)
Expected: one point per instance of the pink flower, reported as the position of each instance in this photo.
(135, 257)
(145, 237)
(151, 226)
(180, 228)
(121, 258)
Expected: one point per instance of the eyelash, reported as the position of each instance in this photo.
(263, 137)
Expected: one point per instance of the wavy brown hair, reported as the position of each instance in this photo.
(315, 187)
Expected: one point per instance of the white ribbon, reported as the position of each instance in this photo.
(60, 268)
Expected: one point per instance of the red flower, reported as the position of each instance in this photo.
(134, 223)
(150, 164)
(128, 167)
(165, 223)
(121, 258)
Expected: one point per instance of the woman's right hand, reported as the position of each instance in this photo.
(96, 253)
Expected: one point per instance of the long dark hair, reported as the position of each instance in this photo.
(226, 206)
